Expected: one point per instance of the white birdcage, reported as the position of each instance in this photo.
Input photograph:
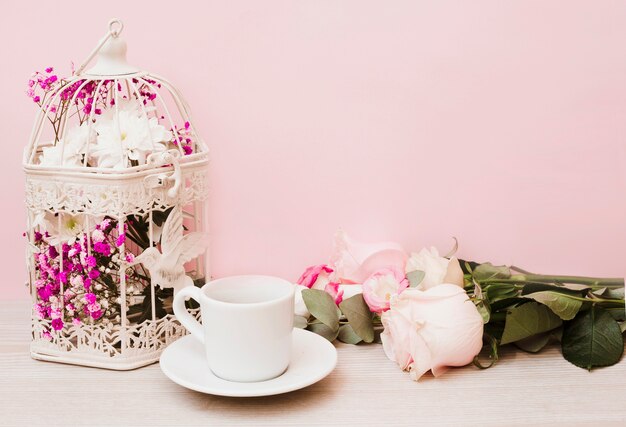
(115, 191)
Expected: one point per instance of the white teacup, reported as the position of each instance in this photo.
(246, 327)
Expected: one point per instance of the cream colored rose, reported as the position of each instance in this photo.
(432, 329)
(437, 269)
(299, 307)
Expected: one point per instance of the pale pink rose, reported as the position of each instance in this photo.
(381, 286)
(437, 269)
(350, 289)
(299, 307)
(354, 262)
(432, 329)
(314, 274)
(335, 291)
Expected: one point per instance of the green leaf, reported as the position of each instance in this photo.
(592, 339)
(617, 293)
(535, 343)
(321, 305)
(415, 277)
(622, 326)
(562, 305)
(500, 291)
(323, 330)
(300, 322)
(531, 288)
(490, 346)
(484, 311)
(482, 305)
(359, 316)
(347, 335)
(527, 320)
(487, 271)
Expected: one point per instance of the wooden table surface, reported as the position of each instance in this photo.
(365, 389)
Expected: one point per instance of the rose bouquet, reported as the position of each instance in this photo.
(431, 312)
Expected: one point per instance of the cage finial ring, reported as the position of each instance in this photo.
(115, 27)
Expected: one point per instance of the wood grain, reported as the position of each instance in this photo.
(365, 389)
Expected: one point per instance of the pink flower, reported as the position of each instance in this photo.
(46, 336)
(93, 308)
(313, 273)
(57, 324)
(381, 286)
(105, 224)
(102, 248)
(90, 298)
(45, 293)
(91, 261)
(334, 290)
(76, 321)
(97, 236)
(120, 240)
(354, 262)
(130, 257)
(40, 310)
(77, 281)
(62, 276)
(432, 329)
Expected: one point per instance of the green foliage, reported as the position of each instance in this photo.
(325, 331)
(585, 314)
(535, 343)
(359, 316)
(527, 320)
(487, 271)
(563, 305)
(592, 339)
(300, 322)
(415, 277)
(322, 306)
(347, 335)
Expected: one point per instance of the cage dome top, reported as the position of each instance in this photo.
(111, 118)
(111, 54)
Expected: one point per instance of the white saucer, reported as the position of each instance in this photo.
(313, 357)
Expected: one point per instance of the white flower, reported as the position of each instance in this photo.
(97, 236)
(69, 151)
(127, 134)
(350, 290)
(432, 329)
(299, 308)
(437, 269)
(64, 228)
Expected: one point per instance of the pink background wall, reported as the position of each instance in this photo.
(500, 123)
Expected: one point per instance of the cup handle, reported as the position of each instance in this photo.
(183, 316)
